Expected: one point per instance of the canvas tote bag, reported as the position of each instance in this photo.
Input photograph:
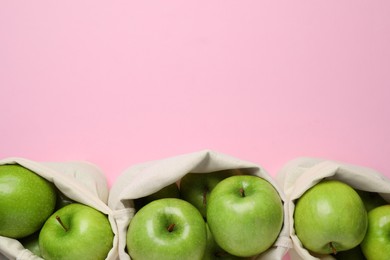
(81, 181)
(300, 174)
(147, 178)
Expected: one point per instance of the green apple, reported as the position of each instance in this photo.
(32, 243)
(76, 231)
(167, 228)
(376, 244)
(170, 191)
(245, 215)
(26, 201)
(330, 217)
(371, 200)
(351, 254)
(214, 251)
(195, 187)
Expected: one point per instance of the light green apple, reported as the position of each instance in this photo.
(196, 187)
(76, 231)
(330, 217)
(167, 228)
(245, 215)
(170, 191)
(26, 201)
(376, 244)
(371, 200)
(214, 251)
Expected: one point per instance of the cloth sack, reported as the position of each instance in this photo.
(147, 178)
(300, 174)
(82, 182)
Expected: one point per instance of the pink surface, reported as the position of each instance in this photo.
(125, 82)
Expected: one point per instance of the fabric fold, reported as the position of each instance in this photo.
(300, 174)
(146, 178)
(80, 181)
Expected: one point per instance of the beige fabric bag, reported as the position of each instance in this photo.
(80, 181)
(144, 179)
(300, 174)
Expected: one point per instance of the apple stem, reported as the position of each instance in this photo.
(333, 248)
(170, 227)
(61, 223)
(242, 192)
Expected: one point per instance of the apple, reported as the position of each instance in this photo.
(376, 244)
(371, 200)
(214, 251)
(245, 215)
(167, 228)
(26, 201)
(31, 243)
(196, 187)
(76, 231)
(330, 217)
(170, 191)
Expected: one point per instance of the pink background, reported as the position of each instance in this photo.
(123, 82)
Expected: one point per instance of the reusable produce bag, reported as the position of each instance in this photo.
(82, 182)
(147, 178)
(300, 174)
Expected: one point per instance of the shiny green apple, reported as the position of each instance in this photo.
(330, 217)
(165, 229)
(26, 201)
(376, 244)
(245, 215)
(76, 231)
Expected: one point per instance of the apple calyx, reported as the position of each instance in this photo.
(171, 227)
(333, 248)
(61, 223)
(242, 192)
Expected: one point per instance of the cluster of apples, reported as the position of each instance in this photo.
(48, 223)
(334, 218)
(224, 214)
